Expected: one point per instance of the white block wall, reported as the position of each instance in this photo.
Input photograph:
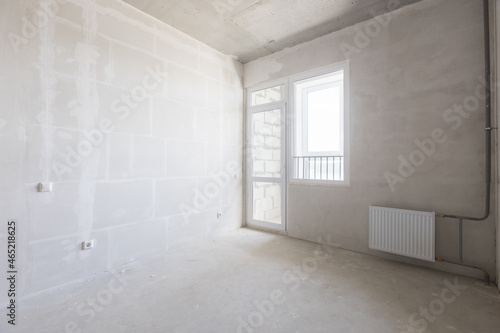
(138, 126)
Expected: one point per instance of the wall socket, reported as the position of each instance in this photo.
(44, 187)
(219, 215)
(87, 245)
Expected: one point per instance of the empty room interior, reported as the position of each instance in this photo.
(249, 166)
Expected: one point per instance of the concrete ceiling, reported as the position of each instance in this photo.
(250, 29)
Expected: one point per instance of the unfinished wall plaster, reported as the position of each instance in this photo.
(415, 73)
(496, 76)
(137, 125)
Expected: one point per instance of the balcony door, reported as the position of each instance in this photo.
(266, 172)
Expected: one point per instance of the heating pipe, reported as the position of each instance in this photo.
(488, 130)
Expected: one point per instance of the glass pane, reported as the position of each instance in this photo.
(267, 202)
(269, 95)
(323, 120)
(266, 144)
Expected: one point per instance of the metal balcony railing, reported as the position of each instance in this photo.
(319, 167)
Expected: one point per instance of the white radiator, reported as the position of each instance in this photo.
(405, 232)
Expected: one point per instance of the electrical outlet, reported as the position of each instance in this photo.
(87, 245)
(44, 187)
(219, 215)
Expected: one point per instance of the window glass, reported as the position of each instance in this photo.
(269, 95)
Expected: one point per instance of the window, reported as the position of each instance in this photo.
(309, 143)
(269, 95)
(319, 113)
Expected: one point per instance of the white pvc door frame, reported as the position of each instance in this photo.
(250, 178)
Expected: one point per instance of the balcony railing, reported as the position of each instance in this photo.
(319, 167)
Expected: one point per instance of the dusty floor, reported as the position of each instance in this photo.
(250, 281)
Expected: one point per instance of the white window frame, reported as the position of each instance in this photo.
(290, 123)
(249, 221)
(344, 66)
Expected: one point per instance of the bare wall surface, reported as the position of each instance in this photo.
(496, 75)
(137, 125)
(417, 126)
